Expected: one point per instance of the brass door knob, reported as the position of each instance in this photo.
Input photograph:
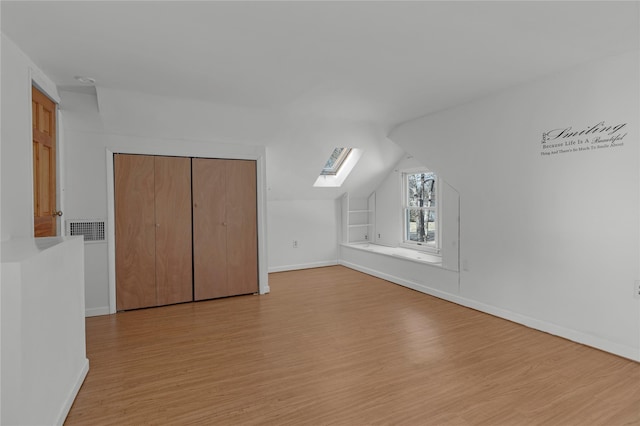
(56, 213)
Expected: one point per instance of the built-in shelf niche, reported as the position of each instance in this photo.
(358, 219)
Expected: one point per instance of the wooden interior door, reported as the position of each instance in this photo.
(43, 113)
(209, 228)
(173, 230)
(242, 227)
(135, 231)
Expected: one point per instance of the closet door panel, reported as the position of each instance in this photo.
(209, 228)
(135, 231)
(173, 230)
(242, 231)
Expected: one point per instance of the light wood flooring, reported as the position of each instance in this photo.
(334, 346)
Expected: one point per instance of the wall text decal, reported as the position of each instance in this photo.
(590, 138)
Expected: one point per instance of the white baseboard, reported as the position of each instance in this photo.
(624, 351)
(94, 312)
(73, 392)
(302, 266)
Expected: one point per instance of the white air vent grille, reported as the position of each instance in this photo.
(92, 229)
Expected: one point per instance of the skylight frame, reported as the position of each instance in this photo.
(333, 169)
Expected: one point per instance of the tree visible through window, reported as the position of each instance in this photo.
(420, 212)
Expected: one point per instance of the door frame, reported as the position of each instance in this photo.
(40, 82)
(188, 149)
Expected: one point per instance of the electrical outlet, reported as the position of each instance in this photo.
(366, 237)
(465, 265)
(636, 289)
(295, 243)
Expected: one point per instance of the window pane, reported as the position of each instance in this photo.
(421, 190)
(334, 162)
(411, 223)
(421, 226)
(430, 224)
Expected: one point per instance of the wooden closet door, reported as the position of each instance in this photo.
(209, 228)
(173, 230)
(242, 227)
(225, 243)
(135, 231)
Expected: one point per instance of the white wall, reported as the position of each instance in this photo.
(312, 223)
(85, 188)
(136, 122)
(297, 145)
(43, 332)
(440, 280)
(388, 208)
(18, 72)
(299, 151)
(388, 212)
(48, 368)
(420, 276)
(92, 136)
(551, 241)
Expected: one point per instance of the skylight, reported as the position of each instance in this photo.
(335, 161)
(338, 166)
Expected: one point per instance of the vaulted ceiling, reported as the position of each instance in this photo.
(337, 65)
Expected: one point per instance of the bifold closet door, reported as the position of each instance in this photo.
(225, 243)
(135, 231)
(153, 231)
(174, 277)
(242, 227)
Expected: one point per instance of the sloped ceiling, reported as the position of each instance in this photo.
(317, 74)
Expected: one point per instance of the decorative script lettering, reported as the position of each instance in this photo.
(591, 138)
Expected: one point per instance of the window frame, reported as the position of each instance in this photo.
(339, 161)
(415, 245)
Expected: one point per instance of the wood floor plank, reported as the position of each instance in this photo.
(335, 346)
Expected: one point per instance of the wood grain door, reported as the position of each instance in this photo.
(224, 228)
(242, 227)
(43, 113)
(135, 231)
(209, 228)
(173, 230)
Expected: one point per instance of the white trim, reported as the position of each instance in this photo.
(60, 168)
(263, 264)
(111, 233)
(415, 246)
(186, 149)
(95, 312)
(44, 84)
(410, 254)
(30, 149)
(638, 276)
(557, 330)
(64, 410)
(303, 266)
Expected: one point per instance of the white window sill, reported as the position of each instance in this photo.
(401, 252)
